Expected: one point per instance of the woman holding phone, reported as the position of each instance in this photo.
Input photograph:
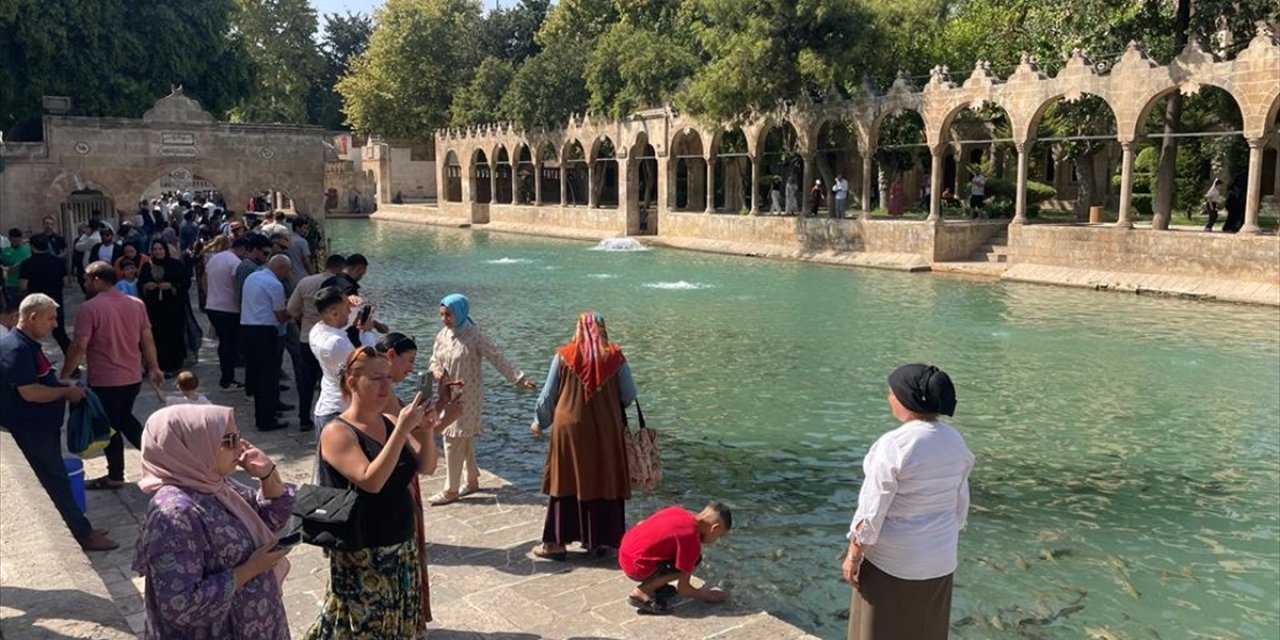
(208, 545)
(377, 590)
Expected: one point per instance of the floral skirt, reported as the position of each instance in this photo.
(373, 593)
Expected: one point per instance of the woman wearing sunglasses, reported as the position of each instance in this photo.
(375, 591)
(208, 545)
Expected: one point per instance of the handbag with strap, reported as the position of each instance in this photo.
(643, 462)
(326, 516)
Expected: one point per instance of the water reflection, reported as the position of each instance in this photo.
(1128, 474)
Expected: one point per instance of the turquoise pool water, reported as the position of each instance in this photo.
(1128, 448)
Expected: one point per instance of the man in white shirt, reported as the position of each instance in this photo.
(270, 226)
(302, 308)
(977, 193)
(841, 196)
(330, 345)
(1211, 204)
(262, 327)
(222, 305)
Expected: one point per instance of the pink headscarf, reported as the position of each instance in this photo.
(180, 446)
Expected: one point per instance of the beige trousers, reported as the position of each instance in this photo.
(458, 451)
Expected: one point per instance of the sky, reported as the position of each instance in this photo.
(343, 6)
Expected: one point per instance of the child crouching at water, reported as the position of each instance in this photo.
(665, 548)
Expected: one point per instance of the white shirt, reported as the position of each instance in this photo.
(1213, 195)
(272, 228)
(220, 277)
(330, 346)
(263, 296)
(914, 500)
(978, 185)
(842, 187)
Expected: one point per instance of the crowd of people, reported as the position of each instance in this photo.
(212, 548)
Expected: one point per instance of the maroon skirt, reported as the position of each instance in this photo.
(890, 608)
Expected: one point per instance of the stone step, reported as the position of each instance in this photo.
(997, 257)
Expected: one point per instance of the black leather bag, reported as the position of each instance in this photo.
(326, 517)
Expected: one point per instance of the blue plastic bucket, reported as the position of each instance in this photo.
(75, 473)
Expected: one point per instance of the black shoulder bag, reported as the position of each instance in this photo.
(326, 516)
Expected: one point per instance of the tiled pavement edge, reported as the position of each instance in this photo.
(484, 582)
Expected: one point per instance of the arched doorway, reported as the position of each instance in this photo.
(781, 163)
(574, 174)
(643, 188)
(733, 172)
(687, 173)
(902, 155)
(550, 174)
(604, 174)
(1073, 154)
(481, 189)
(452, 178)
(503, 172)
(524, 192)
(836, 156)
(978, 141)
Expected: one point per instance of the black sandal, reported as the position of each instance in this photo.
(665, 592)
(103, 484)
(651, 607)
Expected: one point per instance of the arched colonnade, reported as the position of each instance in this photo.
(696, 162)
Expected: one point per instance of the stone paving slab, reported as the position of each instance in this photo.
(485, 584)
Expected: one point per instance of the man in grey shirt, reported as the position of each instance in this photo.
(303, 309)
(300, 250)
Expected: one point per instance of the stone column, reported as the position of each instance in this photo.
(1253, 194)
(591, 185)
(755, 185)
(935, 183)
(1126, 185)
(564, 185)
(515, 181)
(711, 183)
(866, 187)
(493, 182)
(664, 180)
(537, 183)
(628, 195)
(1020, 202)
(806, 183)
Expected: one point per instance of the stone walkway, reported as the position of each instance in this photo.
(484, 582)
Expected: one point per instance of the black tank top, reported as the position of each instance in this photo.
(384, 518)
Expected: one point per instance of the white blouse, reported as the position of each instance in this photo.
(914, 500)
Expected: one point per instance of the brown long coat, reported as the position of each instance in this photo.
(587, 459)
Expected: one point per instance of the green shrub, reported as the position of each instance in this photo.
(1141, 203)
(1004, 188)
(999, 208)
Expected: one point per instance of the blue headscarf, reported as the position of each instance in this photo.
(460, 306)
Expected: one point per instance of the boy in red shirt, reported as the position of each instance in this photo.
(665, 548)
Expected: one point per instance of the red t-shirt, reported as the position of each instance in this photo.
(114, 323)
(669, 535)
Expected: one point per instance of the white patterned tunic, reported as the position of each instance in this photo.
(459, 355)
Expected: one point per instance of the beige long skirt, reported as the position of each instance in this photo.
(890, 608)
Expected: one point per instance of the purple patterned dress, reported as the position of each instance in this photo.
(188, 550)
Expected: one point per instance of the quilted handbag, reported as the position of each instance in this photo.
(643, 462)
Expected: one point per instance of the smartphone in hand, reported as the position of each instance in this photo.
(286, 541)
(426, 386)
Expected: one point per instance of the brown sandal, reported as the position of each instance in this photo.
(103, 484)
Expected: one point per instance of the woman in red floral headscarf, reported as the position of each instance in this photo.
(586, 471)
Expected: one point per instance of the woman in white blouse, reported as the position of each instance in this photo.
(913, 503)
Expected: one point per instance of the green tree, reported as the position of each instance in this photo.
(548, 87)
(345, 37)
(510, 33)
(634, 68)
(479, 102)
(762, 51)
(279, 35)
(420, 53)
(115, 58)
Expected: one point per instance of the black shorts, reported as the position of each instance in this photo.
(663, 569)
(975, 201)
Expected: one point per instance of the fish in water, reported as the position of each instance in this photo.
(1101, 633)
(1050, 619)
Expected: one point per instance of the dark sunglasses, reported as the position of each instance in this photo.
(231, 440)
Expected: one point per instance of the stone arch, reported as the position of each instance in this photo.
(1131, 130)
(687, 171)
(731, 155)
(604, 172)
(837, 151)
(642, 185)
(1078, 170)
(481, 191)
(453, 175)
(573, 173)
(1271, 123)
(525, 172)
(964, 146)
(550, 173)
(779, 150)
(877, 122)
(502, 171)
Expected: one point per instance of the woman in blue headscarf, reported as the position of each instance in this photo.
(459, 348)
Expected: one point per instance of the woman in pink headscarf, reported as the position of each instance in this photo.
(207, 547)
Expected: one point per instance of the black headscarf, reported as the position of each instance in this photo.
(923, 389)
